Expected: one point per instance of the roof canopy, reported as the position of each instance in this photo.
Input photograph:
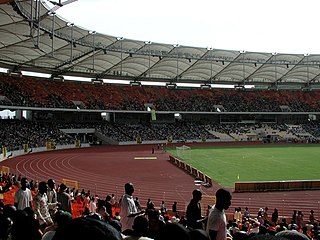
(35, 39)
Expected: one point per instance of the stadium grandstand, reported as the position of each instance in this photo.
(266, 98)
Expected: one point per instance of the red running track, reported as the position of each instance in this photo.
(105, 170)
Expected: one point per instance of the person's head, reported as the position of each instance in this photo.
(223, 199)
(129, 189)
(108, 198)
(292, 235)
(24, 183)
(153, 217)
(62, 218)
(51, 184)
(197, 195)
(240, 235)
(140, 226)
(87, 228)
(102, 210)
(9, 211)
(173, 231)
(43, 187)
(63, 187)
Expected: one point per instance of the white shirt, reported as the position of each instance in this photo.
(217, 222)
(127, 207)
(92, 207)
(23, 198)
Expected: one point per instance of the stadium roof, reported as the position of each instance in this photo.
(36, 39)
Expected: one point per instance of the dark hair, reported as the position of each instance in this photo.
(87, 228)
(223, 194)
(173, 231)
(62, 217)
(292, 235)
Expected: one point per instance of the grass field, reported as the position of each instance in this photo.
(227, 165)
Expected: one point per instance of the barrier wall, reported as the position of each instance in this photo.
(277, 186)
(198, 175)
(40, 149)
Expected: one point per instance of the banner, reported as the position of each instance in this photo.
(4, 151)
(51, 145)
(25, 148)
(77, 143)
(139, 140)
(153, 115)
(203, 138)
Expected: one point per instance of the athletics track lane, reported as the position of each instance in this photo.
(105, 170)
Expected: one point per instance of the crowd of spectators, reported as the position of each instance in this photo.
(36, 92)
(15, 133)
(100, 218)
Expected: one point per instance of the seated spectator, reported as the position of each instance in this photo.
(60, 219)
(292, 235)
(155, 224)
(140, 229)
(240, 235)
(25, 227)
(173, 231)
(87, 228)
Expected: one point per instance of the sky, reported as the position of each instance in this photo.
(281, 26)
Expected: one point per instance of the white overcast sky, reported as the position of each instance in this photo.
(283, 26)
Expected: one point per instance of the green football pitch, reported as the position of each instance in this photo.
(227, 165)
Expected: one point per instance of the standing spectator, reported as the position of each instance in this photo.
(92, 205)
(174, 209)
(260, 213)
(52, 197)
(41, 208)
(299, 219)
(108, 205)
(149, 202)
(193, 213)
(274, 217)
(113, 200)
(150, 206)
(266, 215)
(137, 203)
(128, 208)
(237, 215)
(86, 200)
(217, 223)
(23, 197)
(246, 213)
(312, 218)
(64, 199)
(163, 209)
(294, 217)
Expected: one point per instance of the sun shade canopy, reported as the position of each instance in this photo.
(33, 38)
